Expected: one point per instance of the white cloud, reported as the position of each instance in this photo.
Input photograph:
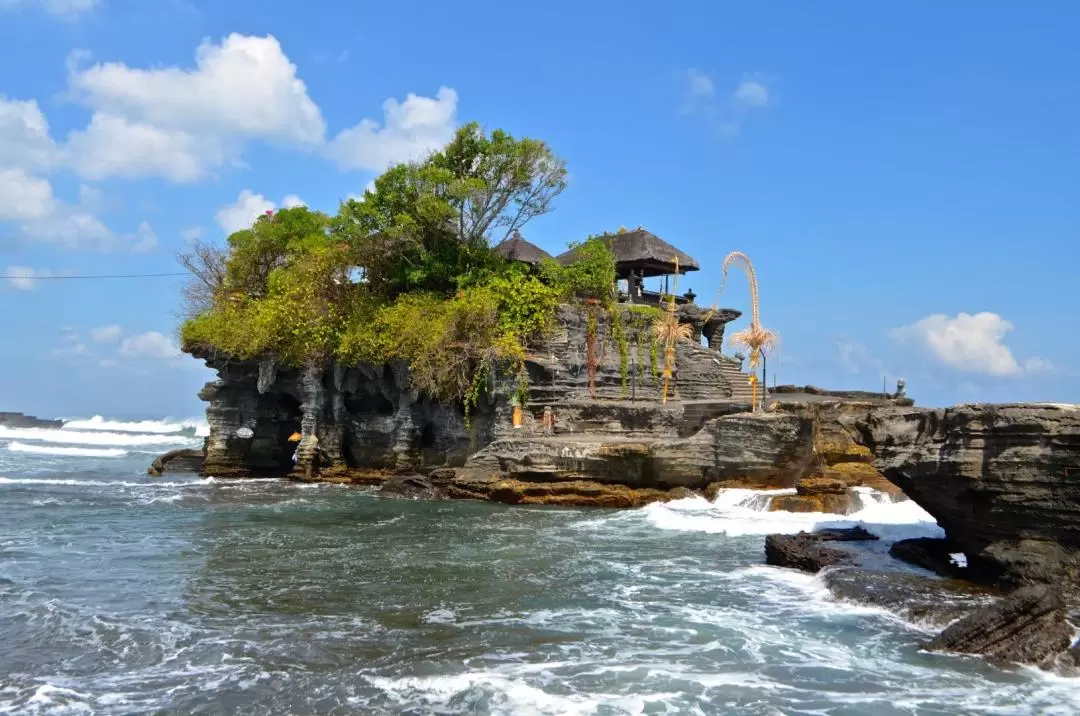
(245, 87)
(292, 201)
(24, 197)
(192, 234)
(61, 8)
(971, 343)
(751, 93)
(106, 334)
(411, 129)
(242, 213)
(857, 358)
(149, 345)
(21, 278)
(700, 85)
(114, 146)
(1038, 365)
(725, 113)
(71, 229)
(90, 198)
(24, 136)
(145, 239)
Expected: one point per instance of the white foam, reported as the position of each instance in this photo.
(76, 437)
(66, 451)
(142, 426)
(746, 512)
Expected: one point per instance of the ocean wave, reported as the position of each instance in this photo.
(66, 451)
(739, 512)
(76, 437)
(166, 426)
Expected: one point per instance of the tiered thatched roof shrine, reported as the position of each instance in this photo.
(516, 248)
(641, 254)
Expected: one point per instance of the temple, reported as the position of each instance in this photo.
(640, 254)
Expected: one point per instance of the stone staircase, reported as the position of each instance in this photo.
(738, 380)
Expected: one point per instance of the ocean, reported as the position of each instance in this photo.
(126, 594)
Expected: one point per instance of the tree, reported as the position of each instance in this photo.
(429, 225)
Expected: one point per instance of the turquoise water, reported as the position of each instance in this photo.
(125, 594)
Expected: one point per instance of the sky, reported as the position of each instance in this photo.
(903, 176)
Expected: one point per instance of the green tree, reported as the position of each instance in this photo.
(428, 226)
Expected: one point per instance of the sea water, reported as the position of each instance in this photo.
(126, 594)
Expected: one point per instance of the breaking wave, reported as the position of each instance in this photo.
(739, 512)
(66, 451)
(195, 426)
(91, 437)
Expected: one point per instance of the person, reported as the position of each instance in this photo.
(548, 421)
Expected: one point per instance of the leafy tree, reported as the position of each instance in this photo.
(428, 226)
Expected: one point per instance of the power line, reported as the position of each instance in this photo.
(121, 275)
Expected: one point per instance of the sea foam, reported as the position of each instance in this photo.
(67, 451)
(91, 437)
(142, 426)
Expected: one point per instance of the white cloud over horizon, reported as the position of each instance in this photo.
(106, 334)
(971, 343)
(184, 124)
(242, 213)
(22, 278)
(149, 345)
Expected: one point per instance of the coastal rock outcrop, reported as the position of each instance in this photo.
(1028, 626)
(807, 552)
(20, 420)
(183, 460)
(1002, 480)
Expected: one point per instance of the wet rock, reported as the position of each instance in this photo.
(929, 553)
(416, 487)
(1027, 627)
(177, 461)
(805, 551)
(914, 596)
(567, 493)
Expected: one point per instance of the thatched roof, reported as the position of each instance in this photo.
(642, 251)
(516, 248)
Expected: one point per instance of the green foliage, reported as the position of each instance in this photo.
(591, 275)
(619, 338)
(427, 226)
(432, 294)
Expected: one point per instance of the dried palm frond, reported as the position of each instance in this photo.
(669, 331)
(755, 339)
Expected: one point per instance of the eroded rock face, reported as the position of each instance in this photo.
(1002, 480)
(764, 450)
(1026, 627)
(183, 460)
(367, 418)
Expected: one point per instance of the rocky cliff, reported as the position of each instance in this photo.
(355, 418)
(1002, 480)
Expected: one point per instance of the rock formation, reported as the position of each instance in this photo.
(1002, 480)
(1026, 627)
(614, 442)
(806, 551)
(19, 420)
(183, 460)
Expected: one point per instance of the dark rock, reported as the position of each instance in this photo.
(417, 487)
(19, 420)
(1002, 480)
(914, 596)
(184, 460)
(929, 553)
(805, 550)
(1026, 627)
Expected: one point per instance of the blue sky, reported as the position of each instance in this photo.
(904, 177)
